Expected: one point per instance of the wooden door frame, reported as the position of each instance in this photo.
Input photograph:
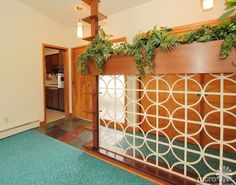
(66, 78)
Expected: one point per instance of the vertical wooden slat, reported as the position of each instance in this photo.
(95, 109)
(95, 116)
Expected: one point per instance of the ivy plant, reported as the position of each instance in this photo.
(230, 7)
(100, 50)
(144, 44)
(226, 31)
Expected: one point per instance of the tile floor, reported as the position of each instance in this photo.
(73, 131)
(53, 115)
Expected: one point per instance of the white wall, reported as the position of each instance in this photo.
(169, 13)
(23, 30)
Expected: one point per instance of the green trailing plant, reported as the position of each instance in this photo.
(226, 31)
(230, 9)
(100, 50)
(144, 44)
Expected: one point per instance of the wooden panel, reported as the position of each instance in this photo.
(89, 2)
(100, 17)
(81, 87)
(178, 126)
(55, 102)
(55, 59)
(215, 118)
(48, 98)
(117, 65)
(48, 64)
(61, 99)
(190, 58)
(203, 108)
(61, 58)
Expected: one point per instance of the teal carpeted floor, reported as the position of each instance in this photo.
(32, 158)
(201, 166)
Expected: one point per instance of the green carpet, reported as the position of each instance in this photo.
(201, 166)
(31, 158)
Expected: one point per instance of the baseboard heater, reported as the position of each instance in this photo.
(18, 129)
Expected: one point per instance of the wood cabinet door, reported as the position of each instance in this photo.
(82, 88)
(55, 59)
(55, 102)
(61, 58)
(48, 64)
(61, 100)
(48, 98)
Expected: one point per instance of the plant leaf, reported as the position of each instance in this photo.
(227, 14)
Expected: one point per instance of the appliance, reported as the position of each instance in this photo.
(60, 79)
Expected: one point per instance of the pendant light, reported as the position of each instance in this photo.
(207, 4)
(79, 30)
(79, 26)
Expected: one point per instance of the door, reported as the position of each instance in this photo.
(82, 89)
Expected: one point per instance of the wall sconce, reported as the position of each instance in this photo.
(208, 4)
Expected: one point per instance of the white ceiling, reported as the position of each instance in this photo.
(63, 11)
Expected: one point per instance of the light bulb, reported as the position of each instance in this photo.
(207, 4)
(79, 30)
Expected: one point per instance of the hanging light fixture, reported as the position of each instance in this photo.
(79, 31)
(79, 27)
(207, 4)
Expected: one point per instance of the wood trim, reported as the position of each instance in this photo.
(78, 47)
(66, 78)
(66, 83)
(44, 83)
(42, 123)
(124, 167)
(195, 26)
(54, 47)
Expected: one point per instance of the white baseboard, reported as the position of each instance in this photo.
(16, 130)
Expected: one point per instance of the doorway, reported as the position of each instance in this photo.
(55, 83)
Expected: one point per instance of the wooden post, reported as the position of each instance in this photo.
(95, 118)
(93, 20)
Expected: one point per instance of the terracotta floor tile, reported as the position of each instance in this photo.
(89, 127)
(67, 138)
(57, 133)
(72, 131)
(78, 131)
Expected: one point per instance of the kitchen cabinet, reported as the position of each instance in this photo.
(54, 59)
(61, 104)
(48, 64)
(61, 58)
(48, 98)
(55, 98)
(55, 102)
